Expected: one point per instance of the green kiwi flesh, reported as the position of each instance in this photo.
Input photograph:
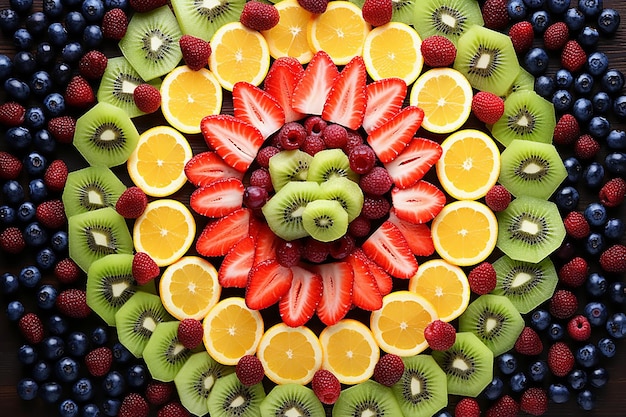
(468, 365)
(291, 400)
(288, 166)
(230, 398)
(525, 284)
(164, 354)
(368, 398)
(325, 220)
(531, 168)
(346, 192)
(328, 164)
(105, 135)
(527, 116)
(96, 234)
(524, 81)
(487, 59)
(283, 211)
(495, 320)
(449, 18)
(151, 43)
(196, 379)
(201, 18)
(136, 320)
(423, 388)
(529, 229)
(90, 189)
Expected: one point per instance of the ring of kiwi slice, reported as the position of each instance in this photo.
(449, 18)
(291, 400)
(91, 188)
(164, 354)
(229, 398)
(368, 398)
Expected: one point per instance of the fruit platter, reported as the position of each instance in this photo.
(312, 208)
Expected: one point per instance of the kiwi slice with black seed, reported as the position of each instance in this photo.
(368, 398)
(468, 365)
(151, 43)
(423, 388)
(91, 188)
(487, 59)
(525, 284)
(105, 135)
(346, 192)
(325, 220)
(524, 81)
(196, 379)
(164, 354)
(449, 18)
(529, 229)
(531, 168)
(231, 398)
(288, 166)
(291, 400)
(527, 116)
(137, 318)
(495, 320)
(118, 84)
(283, 212)
(96, 234)
(201, 18)
(328, 164)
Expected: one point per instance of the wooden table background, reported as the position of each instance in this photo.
(611, 400)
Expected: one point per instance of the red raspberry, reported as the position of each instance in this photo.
(12, 114)
(10, 166)
(249, 370)
(62, 128)
(291, 136)
(612, 193)
(341, 247)
(12, 240)
(586, 147)
(377, 12)
(114, 24)
(132, 203)
(522, 36)
(528, 342)
(314, 125)
(79, 93)
(335, 136)
(495, 14)
(498, 198)
(259, 16)
(73, 303)
(375, 207)
(264, 155)
(573, 56)
(555, 36)
(440, 335)
(173, 409)
(315, 251)
(579, 328)
(576, 225)
(313, 144)
(566, 130)
(482, 278)
(354, 140)
(99, 361)
(487, 107)
(438, 51)
(376, 182)
(56, 175)
(613, 259)
(563, 304)
(147, 98)
(190, 333)
(388, 369)
(560, 359)
(31, 328)
(261, 178)
(326, 386)
(360, 227)
(134, 405)
(92, 65)
(288, 253)
(467, 407)
(362, 159)
(158, 392)
(506, 406)
(66, 271)
(146, 5)
(314, 6)
(144, 268)
(534, 401)
(574, 273)
(51, 214)
(196, 52)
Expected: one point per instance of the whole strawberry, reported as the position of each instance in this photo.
(487, 107)
(259, 16)
(467, 407)
(12, 240)
(31, 328)
(190, 333)
(377, 12)
(528, 342)
(73, 303)
(92, 65)
(62, 128)
(147, 98)
(555, 36)
(573, 56)
(114, 24)
(438, 51)
(314, 6)
(326, 386)
(196, 51)
(563, 304)
(51, 214)
(560, 359)
(99, 360)
(249, 370)
(495, 14)
(612, 192)
(498, 198)
(10, 166)
(134, 405)
(534, 401)
(482, 278)
(440, 335)
(576, 225)
(12, 114)
(56, 175)
(613, 259)
(388, 369)
(66, 271)
(144, 268)
(79, 93)
(566, 130)
(132, 203)
(506, 406)
(522, 36)
(158, 393)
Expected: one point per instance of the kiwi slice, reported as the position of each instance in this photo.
(524, 81)
(201, 18)
(137, 318)
(118, 84)
(529, 229)
(105, 135)
(151, 43)
(90, 189)
(526, 116)
(164, 354)
(196, 379)
(328, 164)
(346, 192)
(291, 400)
(449, 18)
(487, 59)
(96, 234)
(531, 168)
(325, 220)
(495, 320)
(423, 388)
(230, 398)
(525, 284)
(283, 212)
(368, 398)
(288, 166)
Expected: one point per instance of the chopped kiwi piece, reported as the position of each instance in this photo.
(291, 400)
(96, 234)
(368, 398)
(449, 18)
(527, 116)
(283, 212)
(524, 81)
(346, 192)
(423, 388)
(529, 229)
(137, 318)
(531, 168)
(325, 220)
(329, 164)
(525, 284)
(487, 59)
(105, 135)
(289, 166)
(495, 320)
(468, 365)
(196, 379)
(164, 354)
(230, 398)
(201, 18)
(91, 188)
(151, 43)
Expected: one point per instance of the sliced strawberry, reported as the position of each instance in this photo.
(389, 249)
(258, 108)
(266, 243)
(267, 283)
(218, 198)
(418, 236)
(384, 99)
(419, 203)
(281, 81)
(236, 141)
(237, 264)
(347, 99)
(337, 278)
(298, 305)
(365, 292)
(311, 91)
(206, 167)
(384, 282)
(391, 138)
(220, 235)
(415, 160)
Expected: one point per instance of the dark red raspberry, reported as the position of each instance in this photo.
(576, 225)
(560, 359)
(522, 36)
(99, 361)
(288, 253)
(579, 328)
(114, 24)
(467, 407)
(482, 278)
(534, 401)
(498, 198)
(376, 182)
(315, 251)
(335, 136)
(375, 207)
(12, 240)
(261, 177)
(31, 327)
(264, 155)
(612, 193)
(313, 144)
(613, 259)
(249, 370)
(563, 304)
(360, 227)
(362, 159)
(10, 166)
(326, 386)
(388, 369)
(66, 271)
(586, 147)
(574, 272)
(528, 342)
(440, 335)
(314, 125)
(158, 392)
(566, 130)
(291, 136)
(190, 333)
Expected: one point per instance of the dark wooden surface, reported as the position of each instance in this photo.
(611, 400)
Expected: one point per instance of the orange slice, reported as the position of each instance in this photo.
(288, 37)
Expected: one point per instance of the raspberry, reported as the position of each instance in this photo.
(314, 125)
(574, 273)
(326, 386)
(576, 225)
(158, 392)
(173, 409)
(482, 278)
(190, 333)
(506, 406)
(31, 328)
(586, 147)
(134, 405)
(313, 144)
(498, 198)
(132, 203)
(291, 136)
(10, 166)
(92, 65)
(440, 335)
(146, 5)
(12, 114)
(62, 128)
(264, 155)
(377, 12)
(314, 6)
(534, 401)
(196, 51)
(563, 304)
(438, 51)
(613, 259)
(522, 36)
(566, 130)
(56, 175)
(487, 107)
(335, 136)
(315, 251)
(261, 178)
(341, 247)
(66, 271)
(51, 214)
(288, 253)
(376, 182)
(362, 159)
(147, 98)
(612, 192)
(73, 303)
(114, 24)
(360, 227)
(12, 240)
(144, 268)
(555, 36)
(375, 207)
(560, 359)
(467, 407)
(354, 140)
(579, 328)
(573, 57)
(389, 369)
(79, 93)
(99, 361)
(495, 14)
(249, 370)
(259, 16)
(528, 342)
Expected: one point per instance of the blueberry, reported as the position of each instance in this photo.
(536, 61)
(52, 348)
(29, 276)
(599, 127)
(567, 198)
(574, 19)
(615, 163)
(36, 23)
(577, 379)
(518, 382)
(62, 73)
(596, 284)
(587, 355)
(21, 6)
(15, 310)
(57, 35)
(59, 241)
(90, 410)
(41, 371)
(68, 408)
(583, 84)
(555, 331)
(6, 67)
(493, 391)
(588, 37)
(93, 10)
(614, 228)
(558, 6)
(82, 390)
(594, 175)
(9, 283)
(57, 325)
(616, 139)
(540, 320)
(99, 336)
(54, 104)
(13, 192)
(26, 212)
(71, 3)
(34, 118)
(558, 393)
(545, 86)
(40, 83)
(534, 4)
(599, 377)
(75, 23)
(582, 110)
(46, 296)
(52, 8)
(136, 376)
(594, 244)
(612, 81)
(516, 9)
(562, 100)
(596, 312)
(44, 142)
(602, 102)
(596, 214)
(573, 168)
(590, 8)
(18, 137)
(507, 363)
(121, 354)
(113, 384)
(540, 20)
(66, 369)
(35, 164)
(616, 325)
(92, 36)
(51, 392)
(606, 346)
(27, 389)
(586, 399)
(563, 79)
(22, 39)
(77, 344)
(9, 21)
(17, 89)
(24, 63)
(72, 52)
(608, 21)
(111, 407)
(538, 370)
(617, 292)
(45, 54)
(26, 354)
(37, 190)
(8, 215)
(112, 4)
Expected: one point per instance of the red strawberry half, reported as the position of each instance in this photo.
(268, 281)
(414, 162)
(389, 249)
(220, 235)
(258, 108)
(218, 198)
(204, 168)
(311, 91)
(384, 100)
(419, 203)
(347, 99)
(391, 138)
(336, 299)
(298, 304)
